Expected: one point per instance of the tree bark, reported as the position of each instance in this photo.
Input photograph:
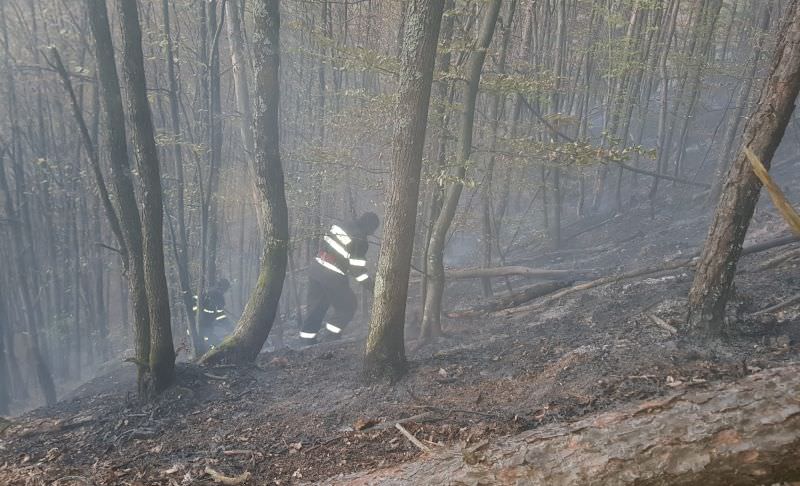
(162, 353)
(253, 328)
(763, 133)
(385, 352)
(124, 195)
(747, 432)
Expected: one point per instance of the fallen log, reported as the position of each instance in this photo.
(602, 281)
(514, 299)
(464, 273)
(673, 265)
(746, 432)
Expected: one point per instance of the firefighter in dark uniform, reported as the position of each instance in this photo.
(214, 323)
(343, 255)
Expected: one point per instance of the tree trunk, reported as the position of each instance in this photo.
(124, 195)
(5, 376)
(743, 433)
(385, 352)
(246, 341)
(435, 263)
(162, 353)
(180, 244)
(763, 133)
(498, 101)
(20, 215)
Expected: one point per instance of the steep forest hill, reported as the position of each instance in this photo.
(301, 416)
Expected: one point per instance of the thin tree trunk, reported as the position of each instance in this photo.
(20, 216)
(435, 265)
(5, 376)
(181, 237)
(498, 101)
(763, 133)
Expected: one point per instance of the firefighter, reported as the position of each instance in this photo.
(342, 256)
(214, 323)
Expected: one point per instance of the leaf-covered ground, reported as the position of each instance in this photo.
(305, 415)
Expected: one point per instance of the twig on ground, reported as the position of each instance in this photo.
(80, 479)
(215, 377)
(324, 442)
(457, 410)
(426, 416)
(412, 439)
(780, 306)
(238, 452)
(227, 480)
(662, 323)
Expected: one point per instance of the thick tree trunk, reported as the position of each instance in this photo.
(743, 433)
(763, 133)
(246, 341)
(385, 352)
(435, 264)
(162, 353)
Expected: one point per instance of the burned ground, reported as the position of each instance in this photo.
(305, 415)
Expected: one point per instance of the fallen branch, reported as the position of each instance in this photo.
(662, 323)
(602, 281)
(673, 265)
(517, 298)
(425, 416)
(412, 439)
(662, 176)
(780, 306)
(227, 480)
(778, 260)
(464, 273)
(783, 205)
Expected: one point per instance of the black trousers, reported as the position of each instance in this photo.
(328, 289)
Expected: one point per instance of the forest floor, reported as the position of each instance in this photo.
(305, 415)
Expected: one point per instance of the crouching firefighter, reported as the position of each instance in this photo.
(343, 256)
(214, 323)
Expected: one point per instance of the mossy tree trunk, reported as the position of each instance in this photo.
(161, 359)
(259, 313)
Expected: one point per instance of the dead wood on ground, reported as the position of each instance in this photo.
(747, 432)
